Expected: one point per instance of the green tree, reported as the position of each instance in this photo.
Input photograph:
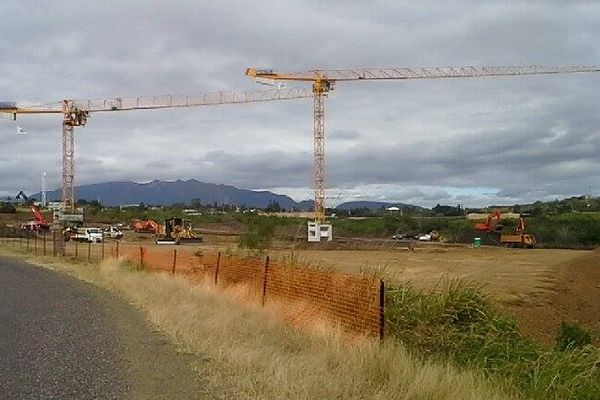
(7, 208)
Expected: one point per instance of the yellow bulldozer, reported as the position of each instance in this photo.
(177, 231)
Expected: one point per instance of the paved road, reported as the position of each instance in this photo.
(61, 338)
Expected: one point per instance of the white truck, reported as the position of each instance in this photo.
(90, 235)
(113, 232)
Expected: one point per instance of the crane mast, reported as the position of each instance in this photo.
(323, 82)
(76, 112)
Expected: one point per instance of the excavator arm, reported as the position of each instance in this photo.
(37, 215)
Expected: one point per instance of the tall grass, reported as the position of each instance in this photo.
(247, 351)
(458, 323)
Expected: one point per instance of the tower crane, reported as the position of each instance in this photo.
(323, 82)
(75, 113)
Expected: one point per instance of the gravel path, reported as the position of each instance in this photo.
(61, 338)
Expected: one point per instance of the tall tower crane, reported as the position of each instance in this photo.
(76, 112)
(323, 82)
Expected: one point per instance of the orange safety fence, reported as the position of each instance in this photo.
(354, 302)
(305, 294)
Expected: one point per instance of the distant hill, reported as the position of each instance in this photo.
(167, 193)
(376, 205)
(183, 192)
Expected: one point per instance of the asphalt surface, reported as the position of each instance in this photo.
(61, 338)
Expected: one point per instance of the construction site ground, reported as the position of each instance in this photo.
(540, 287)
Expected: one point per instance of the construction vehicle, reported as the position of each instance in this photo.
(177, 231)
(38, 223)
(519, 238)
(491, 224)
(145, 226)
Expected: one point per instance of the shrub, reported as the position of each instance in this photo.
(259, 234)
(7, 208)
(572, 336)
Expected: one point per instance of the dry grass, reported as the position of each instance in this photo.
(248, 352)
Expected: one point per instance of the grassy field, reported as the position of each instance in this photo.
(249, 353)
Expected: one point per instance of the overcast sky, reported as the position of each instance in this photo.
(468, 141)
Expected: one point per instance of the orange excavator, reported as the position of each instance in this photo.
(148, 226)
(491, 224)
(38, 223)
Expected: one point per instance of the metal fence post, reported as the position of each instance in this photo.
(89, 251)
(76, 248)
(117, 251)
(44, 239)
(35, 244)
(174, 261)
(54, 243)
(265, 277)
(217, 268)
(28, 243)
(381, 309)
(102, 249)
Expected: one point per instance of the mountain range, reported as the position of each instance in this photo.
(183, 192)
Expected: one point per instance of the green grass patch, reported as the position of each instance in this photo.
(457, 322)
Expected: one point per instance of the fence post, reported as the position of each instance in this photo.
(381, 309)
(141, 257)
(102, 248)
(217, 267)
(76, 248)
(265, 276)
(28, 243)
(44, 241)
(117, 251)
(89, 251)
(35, 244)
(174, 261)
(54, 243)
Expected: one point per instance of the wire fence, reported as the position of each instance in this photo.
(305, 294)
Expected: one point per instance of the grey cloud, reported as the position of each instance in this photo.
(527, 138)
(344, 135)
